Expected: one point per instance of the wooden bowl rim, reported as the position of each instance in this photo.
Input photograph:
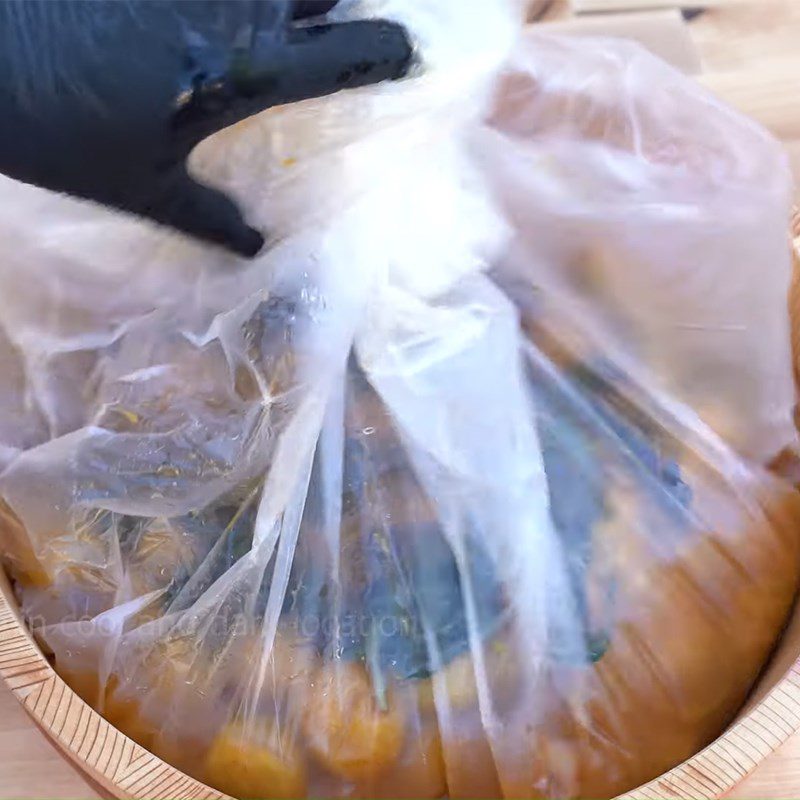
(129, 771)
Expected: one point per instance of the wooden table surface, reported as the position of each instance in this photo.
(750, 51)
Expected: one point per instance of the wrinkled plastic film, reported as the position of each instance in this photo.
(633, 180)
(455, 490)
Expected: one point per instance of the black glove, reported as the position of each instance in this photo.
(104, 99)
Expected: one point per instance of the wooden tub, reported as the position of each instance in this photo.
(126, 770)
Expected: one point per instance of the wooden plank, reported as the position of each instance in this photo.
(664, 33)
(602, 6)
(778, 778)
(742, 35)
(769, 92)
(31, 767)
(112, 761)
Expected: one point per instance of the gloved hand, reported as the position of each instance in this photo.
(104, 99)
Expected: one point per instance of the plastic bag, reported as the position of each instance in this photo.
(457, 489)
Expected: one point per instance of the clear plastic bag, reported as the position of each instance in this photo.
(456, 490)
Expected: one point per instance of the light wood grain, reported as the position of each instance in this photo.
(741, 36)
(769, 93)
(31, 767)
(778, 778)
(664, 33)
(598, 6)
(109, 758)
(125, 770)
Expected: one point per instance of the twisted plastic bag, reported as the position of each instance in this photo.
(460, 488)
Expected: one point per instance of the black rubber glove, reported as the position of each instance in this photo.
(104, 99)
